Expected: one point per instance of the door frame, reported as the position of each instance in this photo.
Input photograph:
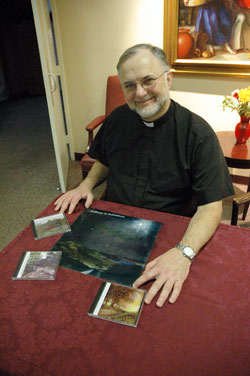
(53, 72)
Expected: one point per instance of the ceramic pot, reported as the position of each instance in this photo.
(244, 3)
(184, 44)
(242, 130)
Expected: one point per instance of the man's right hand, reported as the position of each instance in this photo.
(71, 198)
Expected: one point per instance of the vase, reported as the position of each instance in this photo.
(184, 44)
(244, 3)
(242, 130)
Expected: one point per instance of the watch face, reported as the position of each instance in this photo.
(188, 251)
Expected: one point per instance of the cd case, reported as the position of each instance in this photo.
(37, 265)
(118, 303)
(51, 225)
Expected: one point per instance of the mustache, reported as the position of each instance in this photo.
(143, 99)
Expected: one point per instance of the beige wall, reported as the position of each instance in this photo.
(95, 32)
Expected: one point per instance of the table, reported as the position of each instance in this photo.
(45, 329)
(236, 155)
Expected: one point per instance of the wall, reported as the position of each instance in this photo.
(204, 95)
(94, 33)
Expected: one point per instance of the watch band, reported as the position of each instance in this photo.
(186, 250)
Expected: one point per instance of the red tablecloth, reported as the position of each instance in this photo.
(45, 329)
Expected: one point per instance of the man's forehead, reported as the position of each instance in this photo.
(142, 64)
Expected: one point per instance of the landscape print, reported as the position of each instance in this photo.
(108, 246)
(120, 304)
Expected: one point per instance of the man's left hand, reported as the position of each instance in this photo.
(169, 270)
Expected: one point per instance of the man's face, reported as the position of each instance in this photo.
(150, 103)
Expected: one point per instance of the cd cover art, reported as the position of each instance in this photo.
(117, 303)
(107, 245)
(37, 265)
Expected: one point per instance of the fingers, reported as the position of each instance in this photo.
(68, 200)
(157, 285)
(62, 204)
(71, 199)
(151, 272)
(169, 271)
(89, 200)
(176, 292)
(168, 288)
(72, 205)
(59, 203)
(146, 276)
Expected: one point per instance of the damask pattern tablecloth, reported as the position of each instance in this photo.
(45, 329)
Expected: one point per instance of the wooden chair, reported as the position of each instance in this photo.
(114, 98)
(239, 200)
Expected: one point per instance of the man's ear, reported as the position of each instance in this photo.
(169, 79)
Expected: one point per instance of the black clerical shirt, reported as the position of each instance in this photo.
(171, 165)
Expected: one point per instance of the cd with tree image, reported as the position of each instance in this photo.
(117, 303)
(37, 265)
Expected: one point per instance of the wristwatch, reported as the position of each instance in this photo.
(186, 251)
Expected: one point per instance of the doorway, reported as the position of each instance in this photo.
(29, 176)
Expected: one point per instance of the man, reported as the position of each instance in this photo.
(156, 154)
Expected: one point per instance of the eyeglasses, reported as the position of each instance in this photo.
(146, 83)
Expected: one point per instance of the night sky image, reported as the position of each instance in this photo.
(109, 246)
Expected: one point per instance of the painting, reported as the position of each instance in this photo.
(208, 36)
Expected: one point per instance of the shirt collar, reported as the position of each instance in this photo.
(149, 125)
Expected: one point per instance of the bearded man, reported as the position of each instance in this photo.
(158, 155)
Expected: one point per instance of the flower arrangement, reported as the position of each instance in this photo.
(238, 101)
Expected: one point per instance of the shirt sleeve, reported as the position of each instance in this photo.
(211, 178)
(97, 150)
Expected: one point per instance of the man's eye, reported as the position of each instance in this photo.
(148, 81)
(130, 85)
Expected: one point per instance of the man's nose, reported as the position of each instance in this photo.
(140, 91)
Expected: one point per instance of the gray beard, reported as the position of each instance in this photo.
(146, 113)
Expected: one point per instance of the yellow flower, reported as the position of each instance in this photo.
(244, 95)
(238, 101)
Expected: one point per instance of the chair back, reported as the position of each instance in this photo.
(114, 94)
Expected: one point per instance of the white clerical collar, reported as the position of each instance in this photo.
(150, 125)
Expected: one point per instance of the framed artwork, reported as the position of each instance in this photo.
(208, 36)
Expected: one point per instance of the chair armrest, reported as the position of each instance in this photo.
(95, 123)
(91, 127)
(237, 202)
(242, 199)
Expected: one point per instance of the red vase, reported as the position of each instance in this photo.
(244, 3)
(185, 42)
(242, 130)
